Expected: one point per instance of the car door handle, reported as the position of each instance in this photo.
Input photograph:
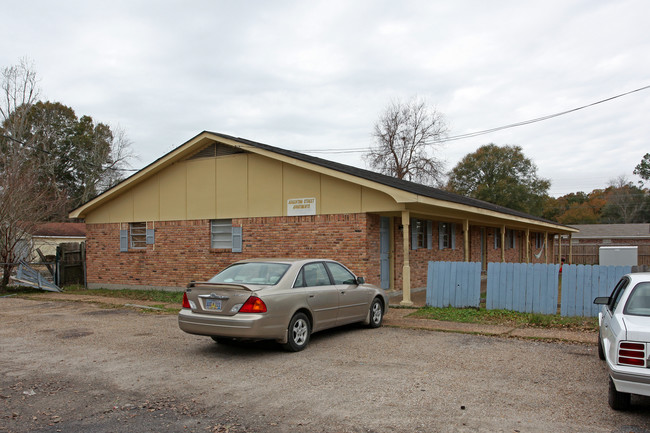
(311, 296)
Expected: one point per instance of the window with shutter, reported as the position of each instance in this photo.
(137, 235)
(225, 236)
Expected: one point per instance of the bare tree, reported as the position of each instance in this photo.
(23, 204)
(406, 135)
(19, 91)
(111, 168)
(23, 200)
(626, 203)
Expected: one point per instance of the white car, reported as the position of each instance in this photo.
(624, 338)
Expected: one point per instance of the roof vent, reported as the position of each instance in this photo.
(216, 150)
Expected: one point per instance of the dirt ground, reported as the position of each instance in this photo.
(80, 367)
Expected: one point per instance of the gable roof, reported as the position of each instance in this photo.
(199, 141)
(612, 231)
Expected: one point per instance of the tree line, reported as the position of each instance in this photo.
(51, 160)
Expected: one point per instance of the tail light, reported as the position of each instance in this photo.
(630, 353)
(253, 305)
(186, 302)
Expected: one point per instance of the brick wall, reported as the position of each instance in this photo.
(182, 252)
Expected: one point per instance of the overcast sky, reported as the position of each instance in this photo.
(315, 75)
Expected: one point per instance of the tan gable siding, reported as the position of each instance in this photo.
(300, 183)
(173, 193)
(232, 186)
(264, 186)
(236, 186)
(146, 200)
(339, 196)
(201, 188)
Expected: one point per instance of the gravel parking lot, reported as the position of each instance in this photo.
(75, 367)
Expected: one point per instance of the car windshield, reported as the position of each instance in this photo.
(639, 302)
(263, 273)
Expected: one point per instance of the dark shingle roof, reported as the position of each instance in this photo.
(60, 229)
(612, 231)
(403, 185)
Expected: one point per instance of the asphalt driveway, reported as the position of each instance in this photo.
(75, 367)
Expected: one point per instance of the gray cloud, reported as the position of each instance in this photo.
(315, 75)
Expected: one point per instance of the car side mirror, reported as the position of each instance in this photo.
(360, 280)
(602, 300)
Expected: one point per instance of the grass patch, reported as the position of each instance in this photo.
(506, 317)
(161, 296)
(19, 290)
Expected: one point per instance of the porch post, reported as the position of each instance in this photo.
(406, 267)
(546, 247)
(466, 239)
(559, 248)
(503, 243)
(570, 249)
(527, 245)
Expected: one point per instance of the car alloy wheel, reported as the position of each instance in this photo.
(376, 313)
(299, 332)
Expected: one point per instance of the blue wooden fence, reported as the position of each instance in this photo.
(524, 287)
(582, 283)
(528, 288)
(455, 284)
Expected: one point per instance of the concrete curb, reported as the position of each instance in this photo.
(397, 317)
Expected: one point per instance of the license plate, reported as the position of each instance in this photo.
(213, 304)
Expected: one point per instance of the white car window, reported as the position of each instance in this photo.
(617, 293)
(638, 304)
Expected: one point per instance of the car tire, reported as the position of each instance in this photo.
(601, 351)
(617, 400)
(298, 333)
(376, 314)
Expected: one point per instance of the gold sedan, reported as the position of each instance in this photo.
(280, 299)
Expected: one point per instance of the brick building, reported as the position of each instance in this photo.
(217, 199)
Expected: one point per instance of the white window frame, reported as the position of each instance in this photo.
(447, 233)
(221, 234)
(138, 235)
(225, 236)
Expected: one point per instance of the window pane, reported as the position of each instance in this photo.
(138, 235)
(262, 273)
(638, 303)
(340, 274)
(221, 234)
(316, 275)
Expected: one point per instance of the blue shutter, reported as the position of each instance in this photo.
(414, 235)
(237, 239)
(151, 237)
(124, 240)
(453, 236)
(441, 236)
(429, 234)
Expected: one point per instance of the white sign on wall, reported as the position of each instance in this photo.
(301, 206)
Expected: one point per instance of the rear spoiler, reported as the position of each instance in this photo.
(219, 285)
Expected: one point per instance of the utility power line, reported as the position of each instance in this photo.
(491, 130)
